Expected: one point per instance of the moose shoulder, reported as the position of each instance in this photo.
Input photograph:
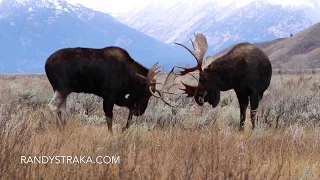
(245, 68)
(108, 72)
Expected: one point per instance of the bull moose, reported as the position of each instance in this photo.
(245, 68)
(107, 72)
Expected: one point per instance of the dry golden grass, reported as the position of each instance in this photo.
(186, 142)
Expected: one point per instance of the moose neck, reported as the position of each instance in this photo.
(135, 68)
(225, 72)
(138, 68)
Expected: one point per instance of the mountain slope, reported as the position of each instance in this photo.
(300, 51)
(32, 30)
(223, 22)
(255, 22)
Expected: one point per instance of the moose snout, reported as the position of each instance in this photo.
(136, 112)
(200, 98)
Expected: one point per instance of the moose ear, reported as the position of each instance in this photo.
(141, 79)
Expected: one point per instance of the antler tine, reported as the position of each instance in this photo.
(193, 77)
(158, 67)
(200, 47)
(151, 74)
(159, 96)
(166, 102)
(157, 70)
(186, 70)
(189, 90)
(187, 49)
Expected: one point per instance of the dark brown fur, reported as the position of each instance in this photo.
(245, 69)
(109, 73)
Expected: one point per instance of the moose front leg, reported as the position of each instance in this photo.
(128, 120)
(108, 110)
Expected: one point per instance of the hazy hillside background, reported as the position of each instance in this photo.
(224, 22)
(300, 51)
(31, 30)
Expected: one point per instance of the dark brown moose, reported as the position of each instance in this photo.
(108, 72)
(245, 68)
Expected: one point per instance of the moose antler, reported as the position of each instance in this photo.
(189, 90)
(153, 71)
(168, 84)
(200, 47)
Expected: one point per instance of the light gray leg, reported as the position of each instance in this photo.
(63, 112)
(254, 103)
(54, 106)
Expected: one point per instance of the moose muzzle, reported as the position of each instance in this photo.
(201, 97)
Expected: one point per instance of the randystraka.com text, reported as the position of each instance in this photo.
(114, 159)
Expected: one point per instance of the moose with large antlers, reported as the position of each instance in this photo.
(108, 72)
(245, 68)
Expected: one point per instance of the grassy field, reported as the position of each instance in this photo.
(184, 142)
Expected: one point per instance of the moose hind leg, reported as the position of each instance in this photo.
(254, 103)
(243, 103)
(63, 112)
(55, 104)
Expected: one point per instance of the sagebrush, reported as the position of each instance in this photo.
(184, 142)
